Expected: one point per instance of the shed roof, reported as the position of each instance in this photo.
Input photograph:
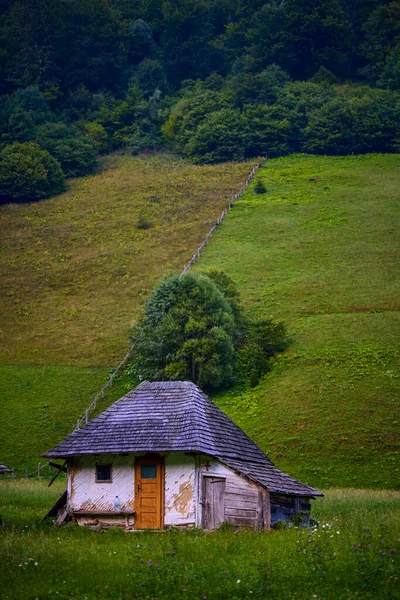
(4, 469)
(176, 416)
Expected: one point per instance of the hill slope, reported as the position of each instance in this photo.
(74, 273)
(319, 250)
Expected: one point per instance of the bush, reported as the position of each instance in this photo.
(29, 173)
(259, 187)
(355, 124)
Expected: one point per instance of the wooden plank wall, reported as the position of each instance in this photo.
(246, 504)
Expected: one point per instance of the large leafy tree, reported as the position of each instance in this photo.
(193, 327)
(186, 332)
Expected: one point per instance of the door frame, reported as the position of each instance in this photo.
(160, 461)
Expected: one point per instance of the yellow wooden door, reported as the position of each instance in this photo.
(149, 493)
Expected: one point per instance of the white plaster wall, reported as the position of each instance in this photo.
(86, 494)
(180, 489)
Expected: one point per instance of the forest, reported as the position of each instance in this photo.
(210, 80)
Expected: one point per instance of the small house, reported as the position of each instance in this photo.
(164, 456)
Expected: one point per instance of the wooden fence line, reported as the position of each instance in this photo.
(35, 473)
(108, 385)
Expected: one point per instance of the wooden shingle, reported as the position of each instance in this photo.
(176, 416)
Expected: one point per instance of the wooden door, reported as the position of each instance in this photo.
(149, 493)
(213, 502)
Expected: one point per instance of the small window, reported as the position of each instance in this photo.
(103, 473)
(148, 472)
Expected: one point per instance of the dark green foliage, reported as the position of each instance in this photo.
(349, 124)
(194, 327)
(75, 152)
(211, 80)
(390, 78)
(186, 332)
(29, 173)
(259, 187)
(263, 339)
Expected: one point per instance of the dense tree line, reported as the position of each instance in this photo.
(212, 79)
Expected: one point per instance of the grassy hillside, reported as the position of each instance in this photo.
(320, 250)
(352, 555)
(75, 269)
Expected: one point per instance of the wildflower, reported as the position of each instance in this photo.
(238, 581)
(36, 564)
(150, 562)
(392, 550)
(157, 565)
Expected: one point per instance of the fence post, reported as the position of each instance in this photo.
(38, 470)
(26, 473)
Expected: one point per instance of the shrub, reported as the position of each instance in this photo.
(29, 173)
(259, 187)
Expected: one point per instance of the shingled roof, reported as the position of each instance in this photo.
(176, 416)
(4, 469)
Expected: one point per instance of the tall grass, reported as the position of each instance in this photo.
(352, 554)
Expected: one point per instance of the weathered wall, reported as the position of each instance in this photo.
(180, 484)
(245, 502)
(86, 494)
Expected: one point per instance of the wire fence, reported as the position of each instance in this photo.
(108, 385)
(29, 475)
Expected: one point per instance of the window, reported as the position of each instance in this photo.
(148, 471)
(103, 473)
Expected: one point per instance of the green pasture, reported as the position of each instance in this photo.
(320, 251)
(352, 554)
(75, 269)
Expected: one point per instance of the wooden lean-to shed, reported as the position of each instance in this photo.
(165, 455)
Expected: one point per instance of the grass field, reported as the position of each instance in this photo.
(75, 269)
(353, 554)
(320, 250)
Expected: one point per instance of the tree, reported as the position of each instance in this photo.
(186, 332)
(75, 152)
(29, 173)
(194, 327)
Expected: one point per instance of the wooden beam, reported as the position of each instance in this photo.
(60, 468)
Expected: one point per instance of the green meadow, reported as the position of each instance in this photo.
(320, 251)
(352, 554)
(75, 271)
